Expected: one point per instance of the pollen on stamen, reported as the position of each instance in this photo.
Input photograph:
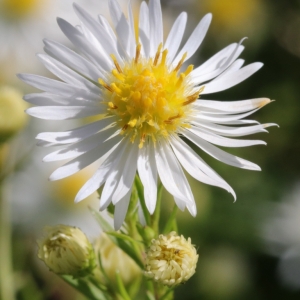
(157, 55)
(105, 85)
(116, 63)
(180, 63)
(192, 98)
(137, 52)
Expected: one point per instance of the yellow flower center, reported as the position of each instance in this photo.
(19, 8)
(149, 98)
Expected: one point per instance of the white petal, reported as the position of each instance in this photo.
(220, 70)
(223, 141)
(66, 74)
(73, 60)
(223, 119)
(229, 80)
(195, 39)
(127, 174)
(82, 161)
(100, 176)
(82, 147)
(64, 112)
(175, 36)
(220, 154)
(156, 25)
(196, 167)
(132, 31)
(122, 27)
(232, 106)
(235, 66)
(104, 39)
(233, 131)
(180, 203)
(83, 45)
(75, 135)
(171, 174)
(218, 61)
(148, 174)
(46, 99)
(121, 210)
(49, 85)
(144, 29)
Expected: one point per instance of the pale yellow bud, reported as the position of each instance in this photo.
(67, 251)
(12, 116)
(171, 259)
(114, 259)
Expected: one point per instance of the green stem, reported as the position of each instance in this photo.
(140, 190)
(156, 215)
(6, 271)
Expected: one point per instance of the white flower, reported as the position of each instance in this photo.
(145, 103)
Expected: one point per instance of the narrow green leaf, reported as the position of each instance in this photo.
(150, 296)
(122, 236)
(121, 287)
(83, 287)
(101, 221)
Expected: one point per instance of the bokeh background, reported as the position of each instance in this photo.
(247, 250)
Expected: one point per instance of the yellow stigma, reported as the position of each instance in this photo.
(19, 8)
(150, 98)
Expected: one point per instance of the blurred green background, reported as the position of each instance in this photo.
(247, 250)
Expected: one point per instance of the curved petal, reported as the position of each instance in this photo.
(195, 39)
(148, 174)
(156, 25)
(175, 36)
(220, 154)
(171, 173)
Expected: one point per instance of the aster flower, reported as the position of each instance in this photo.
(146, 102)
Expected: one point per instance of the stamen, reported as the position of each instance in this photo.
(180, 62)
(180, 80)
(118, 75)
(124, 129)
(188, 70)
(157, 55)
(169, 121)
(132, 122)
(112, 106)
(116, 63)
(116, 89)
(105, 85)
(193, 97)
(137, 52)
(142, 141)
(164, 56)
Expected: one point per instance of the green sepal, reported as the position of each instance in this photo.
(101, 221)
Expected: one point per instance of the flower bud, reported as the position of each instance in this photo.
(12, 116)
(171, 259)
(67, 251)
(115, 259)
